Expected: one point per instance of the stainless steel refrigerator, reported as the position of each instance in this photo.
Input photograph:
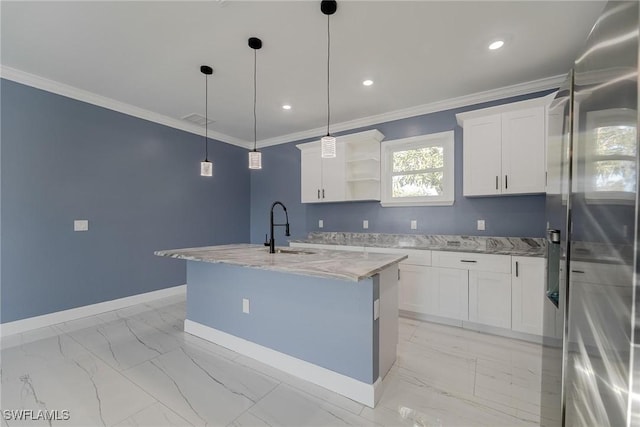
(588, 373)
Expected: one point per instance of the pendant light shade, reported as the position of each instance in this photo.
(328, 146)
(328, 142)
(255, 157)
(206, 167)
(255, 160)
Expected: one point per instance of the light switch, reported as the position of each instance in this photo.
(481, 224)
(365, 224)
(376, 309)
(245, 305)
(320, 223)
(81, 225)
(414, 224)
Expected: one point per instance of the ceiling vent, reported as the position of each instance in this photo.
(197, 119)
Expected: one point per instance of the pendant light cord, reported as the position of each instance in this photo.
(206, 118)
(328, 73)
(255, 132)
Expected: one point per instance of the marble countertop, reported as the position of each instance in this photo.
(516, 246)
(351, 266)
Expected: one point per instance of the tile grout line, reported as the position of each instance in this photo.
(255, 403)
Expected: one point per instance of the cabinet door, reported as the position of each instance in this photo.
(417, 292)
(490, 298)
(523, 151)
(311, 175)
(452, 287)
(527, 294)
(482, 156)
(334, 179)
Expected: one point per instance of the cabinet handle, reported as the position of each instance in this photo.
(323, 193)
(318, 193)
(506, 183)
(468, 260)
(496, 182)
(398, 274)
(516, 268)
(577, 271)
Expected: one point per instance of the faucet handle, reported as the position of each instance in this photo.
(266, 240)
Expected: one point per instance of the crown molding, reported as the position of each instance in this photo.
(541, 101)
(52, 86)
(433, 107)
(58, 88)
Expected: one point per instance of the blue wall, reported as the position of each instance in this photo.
(324, 321)
(136, 182)
(280, 180)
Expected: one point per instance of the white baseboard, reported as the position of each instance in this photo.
(31, 323)
(367, 394)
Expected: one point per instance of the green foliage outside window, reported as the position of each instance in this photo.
(614, 160)
(418, 172)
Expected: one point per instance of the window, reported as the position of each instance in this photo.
(418, 171)
(611, 155)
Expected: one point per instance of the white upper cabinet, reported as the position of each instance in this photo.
(322, 180)
(504, 149)
(523, 151)
(311, 171)
(482, 154)
(354, 174)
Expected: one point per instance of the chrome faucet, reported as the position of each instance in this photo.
(271, 242)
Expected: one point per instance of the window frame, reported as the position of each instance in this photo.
(441, 139)
(595, 120)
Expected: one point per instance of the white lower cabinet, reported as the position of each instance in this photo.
(490, 298)
(417, 290)
(434, 291)
(452, 289)
(527, 295)
(502, 291)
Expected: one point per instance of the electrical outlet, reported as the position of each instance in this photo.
(81, 225)
(320, 223)
(481, 224)
(245, 305)
(414, 224)
(365, 224)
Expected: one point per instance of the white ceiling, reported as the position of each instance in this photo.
(147, 54)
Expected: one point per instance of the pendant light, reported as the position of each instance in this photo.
(255, 157)
(328, 142)
(206, 167)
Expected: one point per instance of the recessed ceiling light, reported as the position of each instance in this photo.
(286, 107)
(367, 82)
(496, 45)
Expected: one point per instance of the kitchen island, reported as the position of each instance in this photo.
(328, 317)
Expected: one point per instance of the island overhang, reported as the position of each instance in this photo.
(352, 266)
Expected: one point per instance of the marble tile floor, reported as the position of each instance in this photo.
(136, 367)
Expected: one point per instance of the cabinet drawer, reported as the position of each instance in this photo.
(472, 261)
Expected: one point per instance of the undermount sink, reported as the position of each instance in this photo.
(294, 251)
